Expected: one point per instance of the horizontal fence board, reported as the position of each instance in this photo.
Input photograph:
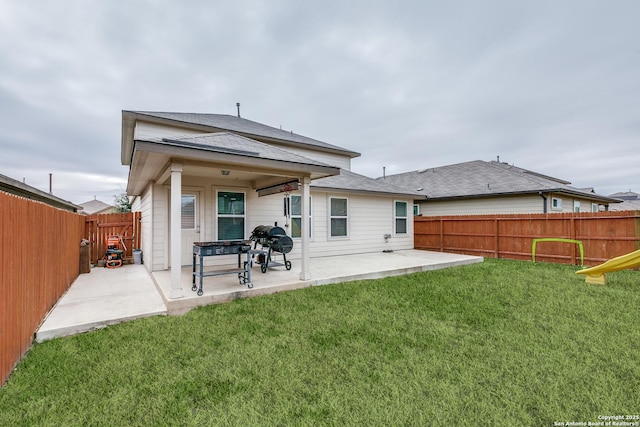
(604, 235)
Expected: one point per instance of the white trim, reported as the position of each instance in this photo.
(176, 231)
(216, 215)
(330, 236)
(196, 206)
(292, 216)
(557, 201)
(406, 218)
(305, 264)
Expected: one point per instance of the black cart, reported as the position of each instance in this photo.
(229, 247)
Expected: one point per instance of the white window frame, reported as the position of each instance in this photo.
(576, 206)
(556, 204)
(195, 211)
(595, 207)
(331, 217)
(300, 216)
(218, 215)
(416, 210)
(396, 217)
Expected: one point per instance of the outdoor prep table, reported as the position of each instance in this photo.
(230, 247)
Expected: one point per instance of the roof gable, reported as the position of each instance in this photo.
(94, 206)
(224, 122)
(230, 143)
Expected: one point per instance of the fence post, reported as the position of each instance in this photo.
(496, 230)
(572, 223)
(636, 221)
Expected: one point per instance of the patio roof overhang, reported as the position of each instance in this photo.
(151, 160)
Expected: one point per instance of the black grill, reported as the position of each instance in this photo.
(274, 240)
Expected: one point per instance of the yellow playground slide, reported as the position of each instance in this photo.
(596, 274)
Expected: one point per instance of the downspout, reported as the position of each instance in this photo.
(544, 198)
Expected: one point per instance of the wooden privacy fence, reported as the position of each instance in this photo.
(126, 225)
(39, 260)
(604, 235)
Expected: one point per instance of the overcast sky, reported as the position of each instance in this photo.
(551, 86)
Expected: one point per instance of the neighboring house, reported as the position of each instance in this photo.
(95, 206)
(211, 177)
(480, 187)
(630, 201)
(10, 185)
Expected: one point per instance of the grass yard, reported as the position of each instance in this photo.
(498, 343)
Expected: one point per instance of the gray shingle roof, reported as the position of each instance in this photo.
(625, 195)
(12, 186)
(231, 143)
(246, 127)
(93, 206)
(630, 201)
(351, 181)
(479, 179)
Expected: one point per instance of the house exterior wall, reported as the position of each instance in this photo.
(145, 130)
(370, 217)
(502, 205)
(568, 204)
(494, 205)
(160, 228)
(338, 160)
(143, 204)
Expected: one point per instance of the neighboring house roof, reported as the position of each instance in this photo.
(352, 182)
(96, 206)
(478, 178)
(221, 122)
(21, 189)
(625, 195)
(630, 201)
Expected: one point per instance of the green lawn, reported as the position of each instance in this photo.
(498, 343)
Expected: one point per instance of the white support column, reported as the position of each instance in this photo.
(305, 273)
(175, 230)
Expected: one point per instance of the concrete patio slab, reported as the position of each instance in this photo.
(103, 297)
(325, 270)
(109, 296)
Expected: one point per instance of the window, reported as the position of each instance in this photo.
(188, 210)
(556, 204)
(576, 206)
(338, 217)
(230, 215)
(400, 217)
(595, 207)
(416, 210)
(296, 216)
